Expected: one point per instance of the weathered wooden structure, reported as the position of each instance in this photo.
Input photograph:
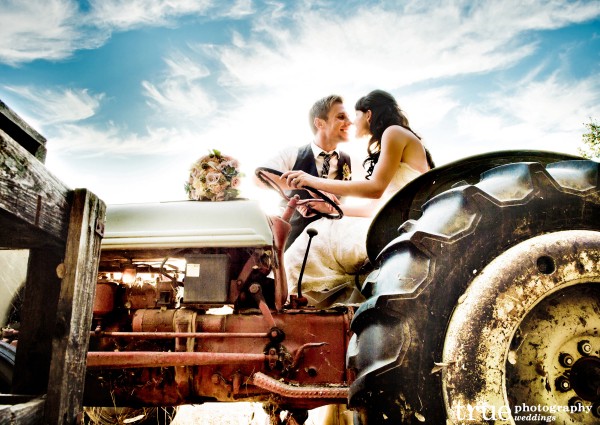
(62, 230)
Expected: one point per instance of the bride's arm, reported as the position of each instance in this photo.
(392, 147)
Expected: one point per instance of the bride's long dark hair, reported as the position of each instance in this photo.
(385, 112)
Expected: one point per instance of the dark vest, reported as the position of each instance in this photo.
(305, 161)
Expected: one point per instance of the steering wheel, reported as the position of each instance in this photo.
(270, 176)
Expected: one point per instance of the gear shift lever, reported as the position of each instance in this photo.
(311, 234)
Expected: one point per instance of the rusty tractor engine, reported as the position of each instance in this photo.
(191, 307)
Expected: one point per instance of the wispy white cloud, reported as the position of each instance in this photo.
(553, 104)
(55, 106)
(113, 140)
(548, 112)
(182, 66)
(394, 48)
(181, 93)
(430, 107)
(127, 14)
(179, 97)
(55, 29)
(240, 9)
(39, 29)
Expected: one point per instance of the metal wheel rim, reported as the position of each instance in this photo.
(552, 358)
(486, 320)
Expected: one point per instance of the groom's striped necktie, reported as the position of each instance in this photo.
(326, 159)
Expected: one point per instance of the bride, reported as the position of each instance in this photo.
(396, 156)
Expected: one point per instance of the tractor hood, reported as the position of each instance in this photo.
(186, 224)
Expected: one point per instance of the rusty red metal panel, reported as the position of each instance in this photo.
(140, 359)
(171, 335)
(228, 352)
(104, 301)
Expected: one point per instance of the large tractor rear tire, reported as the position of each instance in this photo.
(487, 305)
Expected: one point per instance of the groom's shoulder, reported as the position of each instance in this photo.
(295, 149)
(345, 156)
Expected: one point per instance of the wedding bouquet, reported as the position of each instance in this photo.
(214, 177)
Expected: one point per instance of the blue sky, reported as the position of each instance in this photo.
(130, 92)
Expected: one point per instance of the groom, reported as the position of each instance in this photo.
(330, 125)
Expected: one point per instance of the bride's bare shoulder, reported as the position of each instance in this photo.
(397, 131)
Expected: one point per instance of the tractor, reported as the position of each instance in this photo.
(482, 304)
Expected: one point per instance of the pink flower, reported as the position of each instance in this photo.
(212, 179)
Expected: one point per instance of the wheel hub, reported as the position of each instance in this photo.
(585, 378)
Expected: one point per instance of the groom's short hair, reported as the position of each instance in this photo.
(321, 108)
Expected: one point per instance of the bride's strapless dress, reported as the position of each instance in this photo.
(336, 254)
